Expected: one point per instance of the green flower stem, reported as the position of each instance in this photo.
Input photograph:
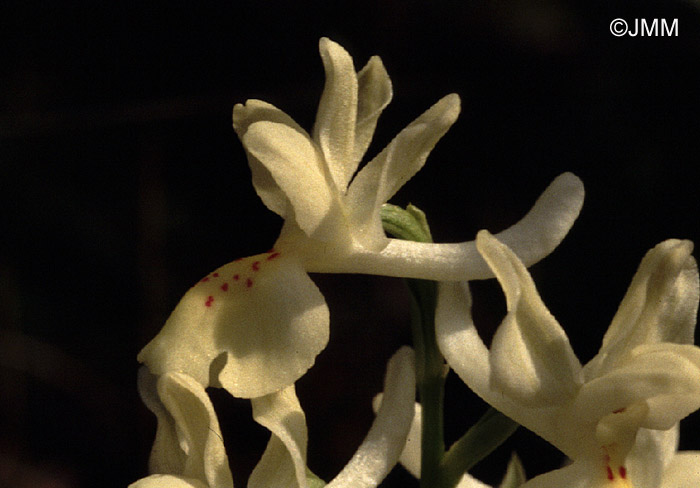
(492, 429)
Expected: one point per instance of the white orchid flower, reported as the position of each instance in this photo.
(254, 326)
(189, 452)
(614, 417)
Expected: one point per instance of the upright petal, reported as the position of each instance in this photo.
(660, 305)
(374, 94)
(283, 463)
(334, 130)
(393, 167)
(186, 419)
(381, 448)
(265, 186)
(253, 326)
(467, 355)
(298, 169)
(531, 358)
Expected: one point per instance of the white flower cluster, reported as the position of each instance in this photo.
(255, 326)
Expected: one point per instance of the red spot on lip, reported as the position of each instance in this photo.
(224, 287)
(210, 300)
(610, 473)
(620, 410)
(248, 283)
(206, 278)
(215, 275)
(236, 277)
(256, 266)
(273, 256)
(623, 472)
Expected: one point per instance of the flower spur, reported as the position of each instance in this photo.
(254, 326)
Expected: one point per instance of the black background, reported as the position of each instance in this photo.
(122, 183)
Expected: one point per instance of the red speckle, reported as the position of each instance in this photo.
(623, 472)
(236, 277)
(273, 256)
(210, 300)
(610, 473)
(256, 266)
(206, 278)
(620, 410)
(248, 283)
(236, 260)
(224, 287)
(215, 275)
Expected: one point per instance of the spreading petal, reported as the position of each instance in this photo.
(299, 170)
(382, 177)
(186, 423)
(666, 377)
(381, 448)
(283, 463)
(253, 326)
(374, 94)
(660, 305)
(334, 130)
(265, 186)
(531, 358)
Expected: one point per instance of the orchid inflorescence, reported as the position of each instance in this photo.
(255, 326)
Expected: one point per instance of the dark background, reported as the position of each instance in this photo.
(122, 183)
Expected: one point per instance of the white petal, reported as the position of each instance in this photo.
(283, 463)
(166, 454)
(531, 358)
(466, 353)
(666, 377)
(192, 418)
(579, 474)
(334, 130)
(298, 169)
(167, 481)
(652, 451)
(255, 325)
(411, 455)
(394, 166)
(265, 186)
(661, 305)
(683, 471)
(532, 238)
(380, 450)
(374, 94)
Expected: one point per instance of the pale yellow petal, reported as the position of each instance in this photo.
(334, 130)
(382, 177)
(381, 448)
(168, 481)
(298, 169)
(253, 326)
(265, 186)
(660, 305)
(283, 463)
(683, 471)
(374, 94)
(531, 358)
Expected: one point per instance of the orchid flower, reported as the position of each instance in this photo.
(614, 417)
(256, 325)
(188, 451)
